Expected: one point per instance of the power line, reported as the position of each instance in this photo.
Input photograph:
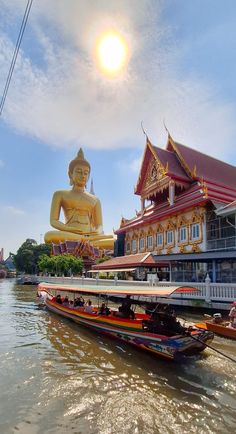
(17, 47)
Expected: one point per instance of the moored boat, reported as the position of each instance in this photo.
(158, 333)
(27, 280)
(222, 329)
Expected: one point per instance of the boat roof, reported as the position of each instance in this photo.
(164, 291)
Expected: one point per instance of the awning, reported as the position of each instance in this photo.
(114, 270)
(165, 291)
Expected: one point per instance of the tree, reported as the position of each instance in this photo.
(46, 263)
(68, 264)
(65, 264)
(27, 256)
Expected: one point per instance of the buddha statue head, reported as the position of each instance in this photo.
(79, 170)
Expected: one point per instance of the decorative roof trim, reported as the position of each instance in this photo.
(145, 257)
(191, 173)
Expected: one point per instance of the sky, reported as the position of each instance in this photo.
(181, 70)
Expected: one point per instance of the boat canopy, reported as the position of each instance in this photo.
(164, 291)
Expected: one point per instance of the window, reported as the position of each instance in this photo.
(182, 234)
(195, 231)
(128, 247)
(141, 244)
(149, 241)
(134, 245)
(169, 237)
(213, 230)
(160, 239)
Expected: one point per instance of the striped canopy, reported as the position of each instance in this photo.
(164, 291)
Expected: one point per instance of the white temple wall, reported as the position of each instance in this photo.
(182, 233)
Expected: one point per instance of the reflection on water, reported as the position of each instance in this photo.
(58, 377)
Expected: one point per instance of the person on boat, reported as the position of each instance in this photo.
(163, 321)
(104, 310)
(232, 316)
(58, 299)
(66, 301)
(79, 302)
(125, 309)
(88, 307)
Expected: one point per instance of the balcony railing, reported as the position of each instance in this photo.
(222, 244)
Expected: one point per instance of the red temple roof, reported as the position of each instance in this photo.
(208, 168)
(122, 262)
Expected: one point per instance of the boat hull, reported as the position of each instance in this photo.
(132, 332)
(219, 329)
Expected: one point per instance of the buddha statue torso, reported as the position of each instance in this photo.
(82, 210)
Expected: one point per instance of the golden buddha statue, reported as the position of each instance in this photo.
(82, 210)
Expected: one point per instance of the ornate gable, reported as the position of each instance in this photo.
(153, 175)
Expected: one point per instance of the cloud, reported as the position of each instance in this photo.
(130, 164)
(12, 210)
(1, 164)
(62, 99)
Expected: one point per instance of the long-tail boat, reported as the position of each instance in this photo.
(147, 331)
(222, 329)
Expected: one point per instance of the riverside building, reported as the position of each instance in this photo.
(186, 218)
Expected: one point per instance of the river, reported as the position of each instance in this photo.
(59, 378)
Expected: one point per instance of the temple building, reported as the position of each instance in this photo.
(187, 215)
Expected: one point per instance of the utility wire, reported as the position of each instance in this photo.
(17, 47)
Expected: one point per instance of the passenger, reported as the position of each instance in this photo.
(104, 310)
(58, 299)
(66, 301)
(88, 307)
(232, 316)
(125, 309)
(217, 318)
(79, 302)
(163, 321)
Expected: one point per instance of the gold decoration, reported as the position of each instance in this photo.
(171, 225)
(204, 189)
(195, 248)
(181, 221)
(159, 228)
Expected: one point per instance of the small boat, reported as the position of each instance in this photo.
(27, 280)
(141, 331)
(222, 329)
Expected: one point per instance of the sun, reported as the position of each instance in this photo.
(112, 53)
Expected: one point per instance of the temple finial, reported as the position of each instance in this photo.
(166, 128)
(91, 188)
(144, 132)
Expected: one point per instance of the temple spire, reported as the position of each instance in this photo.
(91, 188)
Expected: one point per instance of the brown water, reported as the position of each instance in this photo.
(59, 378)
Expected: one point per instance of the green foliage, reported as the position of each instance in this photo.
(65, 264)
(27, 256)
(31, 257)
